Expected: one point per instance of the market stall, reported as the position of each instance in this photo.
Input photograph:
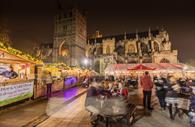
(16, 75)
(63, 76)
(77, 75)
(57, 72)
(177, 70)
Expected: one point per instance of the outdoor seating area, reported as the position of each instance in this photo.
(106, 110)
(109, 100)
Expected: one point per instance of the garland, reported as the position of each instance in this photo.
(20, 54)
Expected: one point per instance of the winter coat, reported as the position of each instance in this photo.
(146, 83)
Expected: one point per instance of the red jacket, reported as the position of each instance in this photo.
(146, 83)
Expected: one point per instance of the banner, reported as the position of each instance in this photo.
(16, 92)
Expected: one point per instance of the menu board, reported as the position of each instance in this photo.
(15, 92)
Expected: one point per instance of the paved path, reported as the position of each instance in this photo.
(71, 115)
(28, 114)
(75, 115)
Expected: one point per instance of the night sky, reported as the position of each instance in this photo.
(31, 21)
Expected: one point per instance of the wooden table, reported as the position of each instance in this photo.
(115, 107)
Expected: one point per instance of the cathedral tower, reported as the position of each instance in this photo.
(69, 36)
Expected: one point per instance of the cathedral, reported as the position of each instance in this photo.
(152, 46)
(71, 44)
(70, 37)
(70, 34)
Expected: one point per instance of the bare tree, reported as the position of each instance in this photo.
(4, 33)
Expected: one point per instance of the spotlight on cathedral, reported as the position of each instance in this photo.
(86, 61)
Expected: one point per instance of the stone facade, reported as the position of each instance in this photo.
(108, 46)
(143, 47)
(69, 37)
(44, 52)
(165, 57)
(70, 34)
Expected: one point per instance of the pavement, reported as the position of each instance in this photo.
(33, 113)
(75, 115)
(66, 109)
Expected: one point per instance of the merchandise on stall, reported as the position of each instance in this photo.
(16, 75)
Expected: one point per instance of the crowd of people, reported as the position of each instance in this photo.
(119, 86)
(163, 86)
(109, 87)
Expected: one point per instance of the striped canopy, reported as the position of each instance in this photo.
(155, 67)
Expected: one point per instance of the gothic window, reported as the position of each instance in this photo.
(63, 50)
(147, 60)
(97, 66)
(90, 52)
(108, 49)
(144, 48)
(132, 62)
(99, 50)
(156, 47)
(164, 60)
(64, 28)
(150, 46)
(68, 27)
(131, 48)
(94, 51)
(120, 50)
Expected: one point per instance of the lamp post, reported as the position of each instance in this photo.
(86, 62)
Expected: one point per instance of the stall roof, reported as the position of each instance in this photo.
(8, 58)
(11, 55)
(123, 68)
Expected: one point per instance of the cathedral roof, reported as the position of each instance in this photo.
(121, 36)
(46, 45)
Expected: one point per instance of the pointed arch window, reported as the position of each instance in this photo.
(156, 47)
(131, 48)
(108, 49)
(164, 60)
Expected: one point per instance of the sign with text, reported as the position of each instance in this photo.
(15, 92)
